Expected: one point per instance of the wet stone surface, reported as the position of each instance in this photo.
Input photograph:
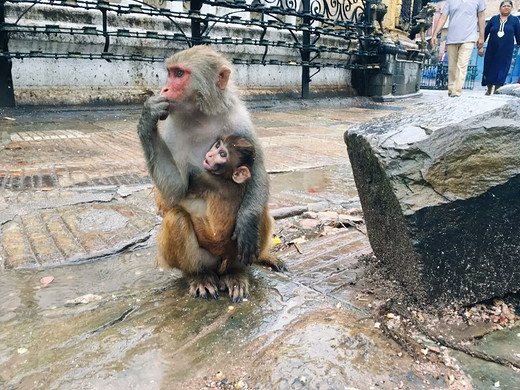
(145, 332)
(67, 226)
(445, 193)
(74, 234)
(114, 321)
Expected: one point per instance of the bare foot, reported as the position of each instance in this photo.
(203, 286)
(237, 283)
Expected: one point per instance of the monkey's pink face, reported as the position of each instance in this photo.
(216, 158)
(178, 81)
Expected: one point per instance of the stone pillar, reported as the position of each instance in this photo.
(399, 75)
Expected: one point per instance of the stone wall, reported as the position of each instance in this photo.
(82, 81)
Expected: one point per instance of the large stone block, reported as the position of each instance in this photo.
(440, 189)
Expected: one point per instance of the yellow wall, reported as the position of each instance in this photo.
(392, 15)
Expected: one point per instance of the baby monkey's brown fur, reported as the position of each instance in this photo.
(205, 220)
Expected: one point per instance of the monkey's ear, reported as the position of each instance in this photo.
(223, 77)
(241, 174)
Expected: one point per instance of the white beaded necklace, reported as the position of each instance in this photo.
(500, 32)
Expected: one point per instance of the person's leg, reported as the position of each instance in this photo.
(465, 50)
(496, 88)
(453, 54)
(489, 89)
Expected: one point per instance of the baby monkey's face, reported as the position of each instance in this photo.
(216, 158)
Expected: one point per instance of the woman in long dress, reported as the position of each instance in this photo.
(502, 31)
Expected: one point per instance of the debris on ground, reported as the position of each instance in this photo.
(220, 382)
(304, 225)
(84, 299)
(420, 331)
(432, 332)
(46, 280)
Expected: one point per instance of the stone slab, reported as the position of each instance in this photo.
(439, 187)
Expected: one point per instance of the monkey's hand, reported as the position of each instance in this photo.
(247, 235)
(156, 108)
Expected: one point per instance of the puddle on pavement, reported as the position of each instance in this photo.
(144, 331)
(334, 183)
(332, 349)
(23, 292)
(485, 375)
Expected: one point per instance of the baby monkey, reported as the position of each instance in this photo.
(216, 194)
(208, 215)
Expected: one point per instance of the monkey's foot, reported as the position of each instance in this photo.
(273, 262)
(237, 284)
(203, 286)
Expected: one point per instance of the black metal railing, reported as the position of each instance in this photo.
(318, 33)
(436, 77)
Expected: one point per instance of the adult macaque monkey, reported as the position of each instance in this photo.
(198, 104)
(209, 211)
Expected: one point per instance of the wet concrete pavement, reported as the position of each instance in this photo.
(76, 205)
(75, 187)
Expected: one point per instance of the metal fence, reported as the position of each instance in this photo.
(322, 33)
(436, 77)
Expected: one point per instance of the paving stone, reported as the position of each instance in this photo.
(73, 234)
(50, 163)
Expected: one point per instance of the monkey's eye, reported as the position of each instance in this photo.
(217, 144)
(223, 154)
(177, 72)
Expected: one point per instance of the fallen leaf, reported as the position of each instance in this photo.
(46, 280)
